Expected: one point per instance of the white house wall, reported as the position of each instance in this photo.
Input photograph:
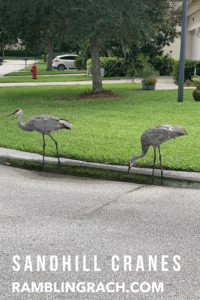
(193, 7)
(193, 21)
(192, 42)
(174, 48)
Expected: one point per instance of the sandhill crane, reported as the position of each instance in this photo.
(43, 124)
(156, 136)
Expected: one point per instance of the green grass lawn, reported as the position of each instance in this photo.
(44, 78)
(17, 58)
(41, 70)
(105, 130)
(51, 78)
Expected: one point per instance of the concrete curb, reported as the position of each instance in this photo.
(113, 172)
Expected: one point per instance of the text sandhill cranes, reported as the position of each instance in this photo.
(43, 124)
(156, 136)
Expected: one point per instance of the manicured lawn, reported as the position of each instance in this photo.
(41, 70)
(44, 78)
(18, 58)
(51, 78)
(104, 130)
(44, 72)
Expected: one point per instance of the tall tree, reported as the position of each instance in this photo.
(32, 21)
(132, 20)
(164, 35)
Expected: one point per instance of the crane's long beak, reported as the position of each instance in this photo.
(11, 114)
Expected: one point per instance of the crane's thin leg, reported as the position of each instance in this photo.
(154, 164)
(160, 163)
(57, 150)
(43, 151)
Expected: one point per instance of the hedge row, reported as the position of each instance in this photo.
(190, 65)
(114, 66)
(164, 64)
(18, 53)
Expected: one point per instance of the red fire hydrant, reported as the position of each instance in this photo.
(34, 71)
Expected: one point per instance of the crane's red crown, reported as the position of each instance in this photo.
(18, 109)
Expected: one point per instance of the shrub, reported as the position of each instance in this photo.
(130, 68)
(84, 54)
(188, 83)
(143, 68)
(149, 81)
(43, 56)
(190, 65)
(195, 78)
(164, 64)
(114, 66)
(80, 63)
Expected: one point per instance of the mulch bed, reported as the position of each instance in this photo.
(90, 95)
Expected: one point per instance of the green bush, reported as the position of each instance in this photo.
(143, 67)
(84, 54)
(164, 64)
(190, 65)
(149, 81)
(130, 68)
(195, 78)
(43, 56)
(114, 66)
(80, 63)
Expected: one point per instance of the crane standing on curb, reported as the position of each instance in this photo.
(43, 124)
(156, 136)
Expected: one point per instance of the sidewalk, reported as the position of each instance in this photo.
(163, 83)
(113, 172)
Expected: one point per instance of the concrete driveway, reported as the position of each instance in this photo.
(13, 66)
(124, 240)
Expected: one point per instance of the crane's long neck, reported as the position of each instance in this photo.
(20, 124)
(134, 158)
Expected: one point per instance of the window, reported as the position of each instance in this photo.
(68, 57)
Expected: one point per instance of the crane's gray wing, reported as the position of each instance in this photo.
(66, 123)
(155, 136)
(43, 123)
(47, 123)
(174, 129)
(178, 131)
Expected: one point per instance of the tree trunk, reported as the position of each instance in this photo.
(96, 72)
(50, 57)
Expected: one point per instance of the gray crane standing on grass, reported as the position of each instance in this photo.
(155, 136)
(43, 124)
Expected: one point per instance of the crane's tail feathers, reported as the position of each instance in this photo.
(67, 124)
(129, 169)
(177, 131)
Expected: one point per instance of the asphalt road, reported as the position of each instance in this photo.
(95, 222)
